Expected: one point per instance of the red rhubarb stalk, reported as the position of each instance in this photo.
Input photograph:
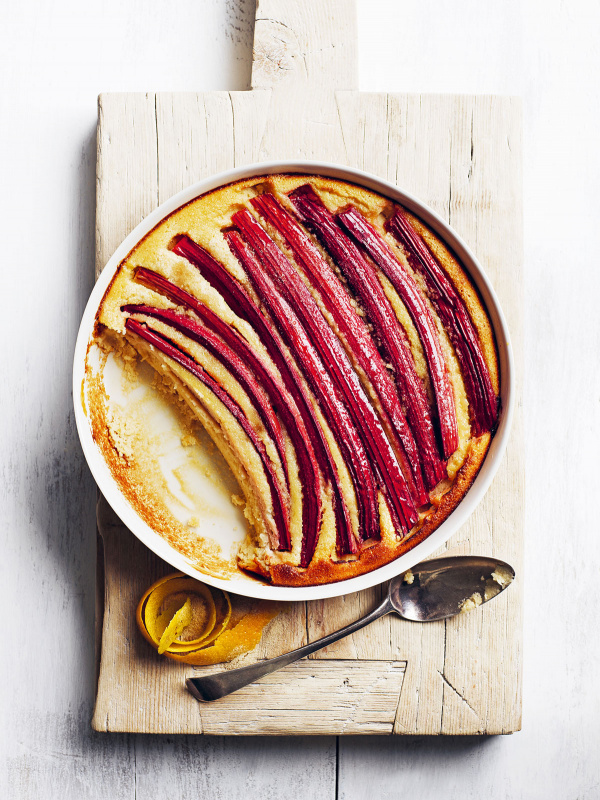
(406, 286)
(318, 377)
(232, 361)
(336, 364)
(242, 304)
(340, 306)
(245, 307)
(282, 401)
(456, 320)
(365, 283)
(220, 279)
(169, 349)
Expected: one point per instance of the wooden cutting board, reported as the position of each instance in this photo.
(462, 156)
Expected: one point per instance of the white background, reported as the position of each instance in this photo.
(55, 57)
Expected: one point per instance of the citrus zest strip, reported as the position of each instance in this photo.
(153, 608)
(168, 608)
(181, 619)
(233, 642)
(223, 615)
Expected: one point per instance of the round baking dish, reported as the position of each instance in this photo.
(248, 586)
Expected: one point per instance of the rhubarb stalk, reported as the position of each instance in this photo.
(282, 401)
(244, 306)
(318, 377)
(232, 361)
(355, 332)
(364, 280)
(406, 286)
(336, 364)
(169, 349)
(457, 322)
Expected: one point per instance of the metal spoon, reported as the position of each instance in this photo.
(433, 590)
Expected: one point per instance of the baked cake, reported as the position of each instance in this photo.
(335, 351)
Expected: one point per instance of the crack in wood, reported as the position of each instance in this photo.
(455, 690)
(233, 127)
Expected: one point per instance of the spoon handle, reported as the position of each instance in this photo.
(212, 687)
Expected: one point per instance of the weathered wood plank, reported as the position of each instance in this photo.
(486, 209)
(305, 43)
(461, 155)
(339, 697)
(126, 170)
(189, 125)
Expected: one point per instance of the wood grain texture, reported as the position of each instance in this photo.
(126, 168)
(308, 43)
(460, 155)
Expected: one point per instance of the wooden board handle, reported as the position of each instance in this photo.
(307, 42)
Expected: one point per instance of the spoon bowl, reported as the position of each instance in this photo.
(443, 587)
(430, 591)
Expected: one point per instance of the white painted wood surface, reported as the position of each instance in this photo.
(55, 58)
(462, 155)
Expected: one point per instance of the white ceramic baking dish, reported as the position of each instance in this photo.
(243, 584)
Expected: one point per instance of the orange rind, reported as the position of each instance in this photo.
(233, 642)
(165, 597)
(181, 619)
(192, 623)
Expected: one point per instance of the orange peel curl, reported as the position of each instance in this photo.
(164, 598)
(193, 623)
(181, 619)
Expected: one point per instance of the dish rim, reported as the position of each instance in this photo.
(259, 589)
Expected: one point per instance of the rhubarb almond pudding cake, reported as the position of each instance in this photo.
(336, 353)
